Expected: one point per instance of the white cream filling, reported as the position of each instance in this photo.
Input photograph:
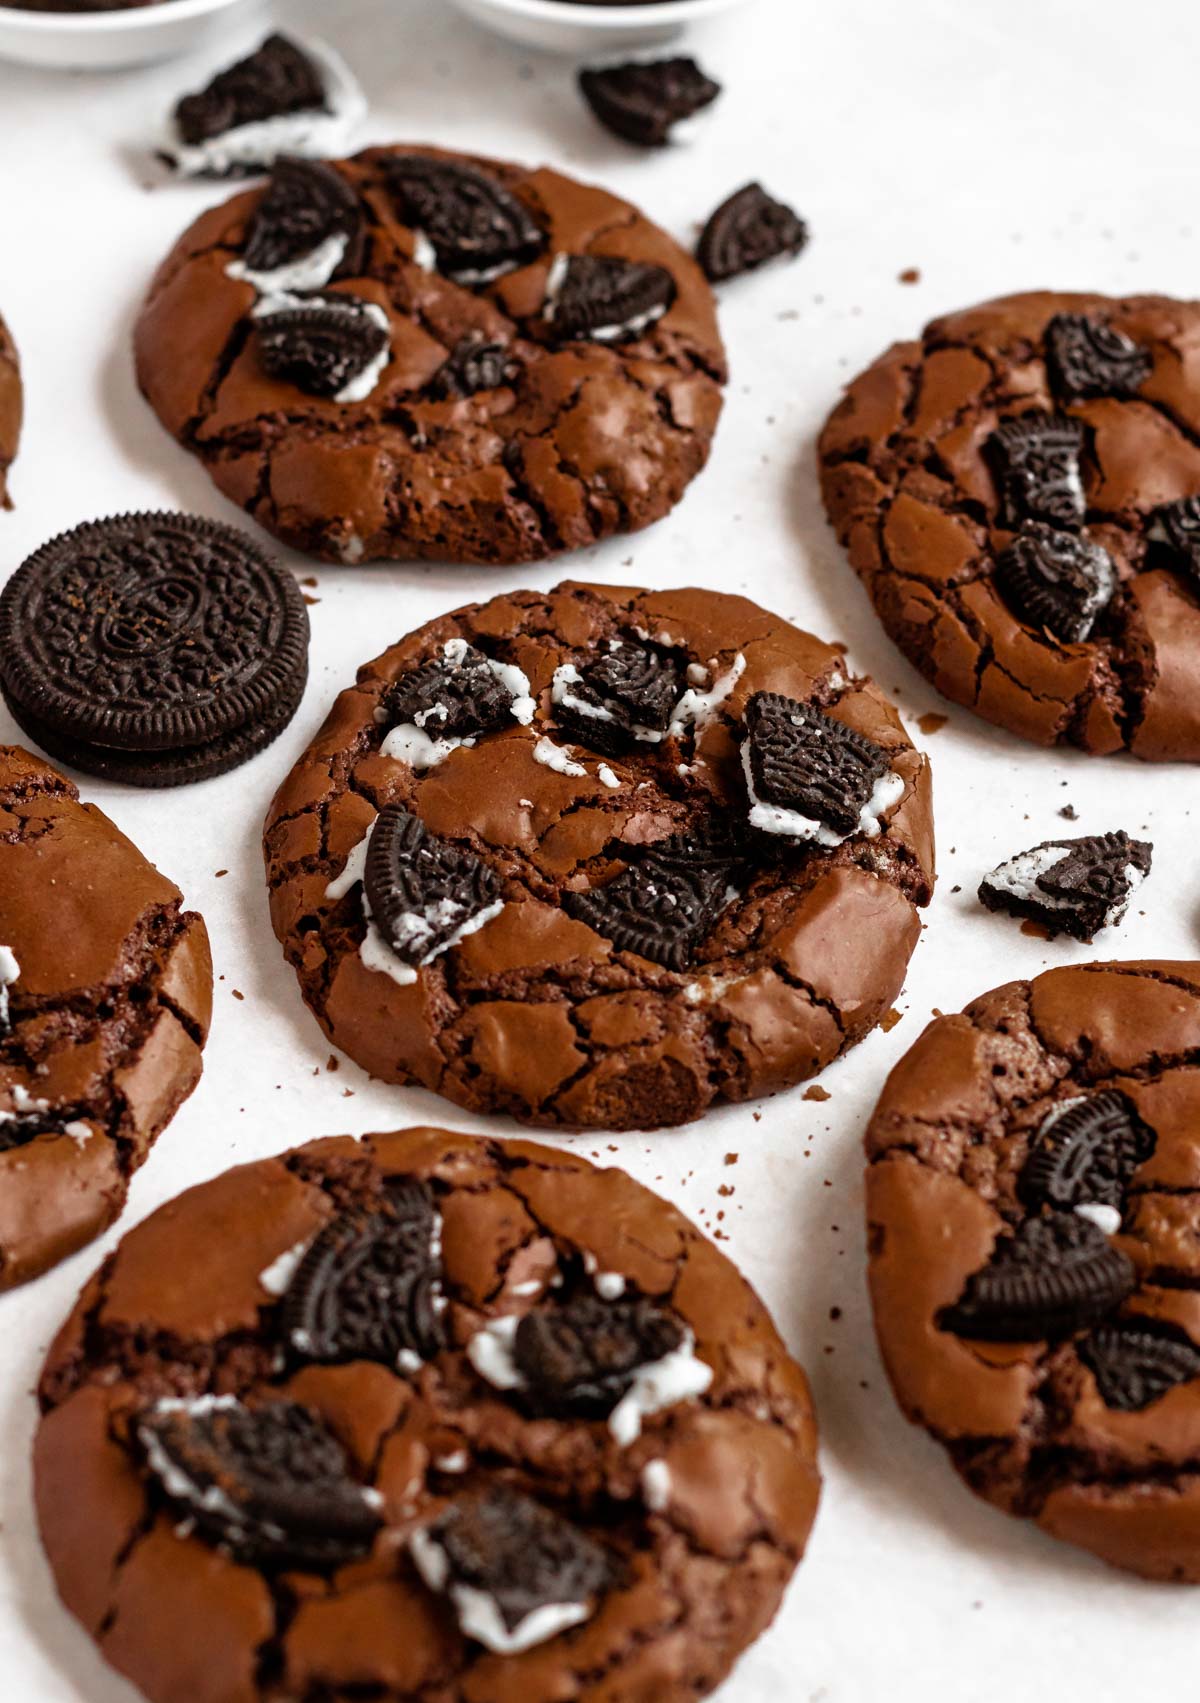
(309, 271)
(1105, 1218)
(490, 1351)
(1019, 877)
(313, 134)
(711, 988)
(696, 708)
(773, 819)
(458, 1461)
(609, 1285)
(10, 972)
(276, 1279)
(606, 776)
(557, 757)
(478, 1613)
(656, 1486)
(424, 253)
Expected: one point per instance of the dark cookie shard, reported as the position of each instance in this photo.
(368, 1287)
(603, 299)
(1135, 1362)
(1056, 580)
(278, 78)
(451, 698)
(305, 204)
(474, 365)
(660, 908)
(501, 1558)
(1087, 1154)
(422, 891)
(477, 228)
(324, 347)
(1174, 536)
(1036, 457)
(717, 845)
(623, 697)
(270, 1483)
(1085, 357)
(746, 231)
(643, 102)
(802, 760)
(580, 1359)
(1050, 1277)
(1074, 887)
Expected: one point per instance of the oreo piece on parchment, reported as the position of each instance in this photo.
(153, 648)
(1074, 887)
(600, 298)
(1087, 358)
(1049, 1278)
(334, 345)
(643, 101)
(477, 230)
(1036, 457)
(307, 230)
(1056, 580)
(746, 231)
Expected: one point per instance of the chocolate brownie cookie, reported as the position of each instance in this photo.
(11, 408)
(601, 857)
(1020, 493)
(418, 354)
(446, 1421)
(1033, 1199)
(105, 995)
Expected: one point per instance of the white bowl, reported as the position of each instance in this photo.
(561, 26)
(101, 41)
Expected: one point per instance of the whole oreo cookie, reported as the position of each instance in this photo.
(153, 647)
(1031, 1224)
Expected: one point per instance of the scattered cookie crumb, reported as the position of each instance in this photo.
(933, 721)
(890, 1019)
(731, 1158)
(910, 275)
(1036, 930)
(333, 1062)
(237, 993)
(816, 1092)
(725, 1189)
(835, 1314)
(347, 1093)
(309, 599)
(219, 874)
(1069, 813)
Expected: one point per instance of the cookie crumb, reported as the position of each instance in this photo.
(1069, 813)
(890, 1019)
(816, 1092)
(910, 275)
(731, 1158)
(219, 874)
(333, 1062)
(237, 993)
(932, 721)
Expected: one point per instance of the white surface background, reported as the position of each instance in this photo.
(995, 147)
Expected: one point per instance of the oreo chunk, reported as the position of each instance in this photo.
(1036, 457)
(1136, 1362)
(746, 231)
(456, 696)
(660, 908)
(307, 205)
(279, 78)
(327, 348)
(1056, 580)
(423, 892)
(581, 1358)
(642, 102)
(515, 1572)
(624, 696)
(1087, 1154)
(600, 298)
(477, 228)
(1085, 357)
(799, 760)
(474, 364)
(270, 1484)
(1074, 887)
(1174, 536)
(18, 1129)
(368, 1287)
(1049, 1278)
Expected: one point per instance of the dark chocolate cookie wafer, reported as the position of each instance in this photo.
(646, 101)
(105, 994)
(157, 648)
(747, 230)
(1018, 491)
(602, 858)
(550, 370)
(11, 408)
(589, 1474)
(1033, 1202)
(1074, 887)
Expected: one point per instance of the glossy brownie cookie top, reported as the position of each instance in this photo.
(1020, 492)
(602, 857)
(419, 354)
(465, 1421)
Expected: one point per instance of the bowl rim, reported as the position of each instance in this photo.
(601, 18)
(113, 23)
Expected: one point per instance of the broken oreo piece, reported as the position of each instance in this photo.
(581, 1358)
(662, 909)
(1056, 580)
(1086, 1154)
(516, 1573)
(643, 102)
(307, 230)
(1047, 1279)
(369, 1287)
(336, 346)
(1086, 358)
(601, 298)
(1074, 887)
(474, 364)
(18, 1129)
(623, 697)
(745, 232)
(424, 894)
(278, 77)
(1174, 537)
(1037, 461)
(1135, 1362)
(478, 230)
(810, 776)
(457, 695)
(270, 1484)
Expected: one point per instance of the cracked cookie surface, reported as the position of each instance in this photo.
(1034, 1172)
(176, 1368)
(567, 442)
(627, 955)
(11, 408)
(105, 998)
(915, 483)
